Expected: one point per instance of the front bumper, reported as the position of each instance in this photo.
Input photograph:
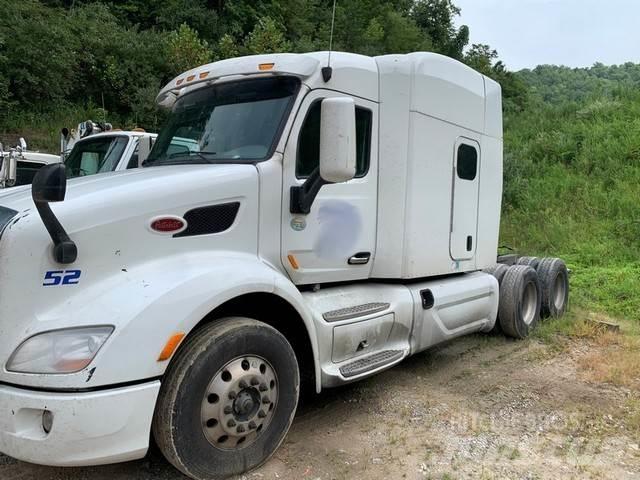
(95, 428)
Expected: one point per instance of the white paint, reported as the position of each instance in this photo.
(88, 428)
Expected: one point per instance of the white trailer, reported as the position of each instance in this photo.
(320, 225)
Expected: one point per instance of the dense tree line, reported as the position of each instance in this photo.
(61, 53)
(558, 84)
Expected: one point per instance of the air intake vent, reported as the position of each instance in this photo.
(212, 219)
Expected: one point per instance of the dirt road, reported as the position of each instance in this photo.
(481, 407)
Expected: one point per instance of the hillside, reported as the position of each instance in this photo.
(572, 181)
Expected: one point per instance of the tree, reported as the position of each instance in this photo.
(185, 50)
(267, 37)
(436, 19)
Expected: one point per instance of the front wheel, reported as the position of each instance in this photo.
(227, 400)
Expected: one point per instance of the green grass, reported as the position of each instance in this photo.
(572, 190)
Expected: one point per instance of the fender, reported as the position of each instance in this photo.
(151, 301)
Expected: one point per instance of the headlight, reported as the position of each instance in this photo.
(59, 351)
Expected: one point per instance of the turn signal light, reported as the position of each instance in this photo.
(170, 346)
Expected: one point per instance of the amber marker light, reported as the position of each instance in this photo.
(293, 261)
(170, 346)
(265, 66)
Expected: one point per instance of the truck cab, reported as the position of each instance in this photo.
(96, 151)
(303, 221)
(106, 152)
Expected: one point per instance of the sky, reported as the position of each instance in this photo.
(576, 33)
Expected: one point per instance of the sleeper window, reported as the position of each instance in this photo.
(467, 164)
(309, 143)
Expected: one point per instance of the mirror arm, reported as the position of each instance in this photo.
(64, 249)
(50, 185)
(302, 196)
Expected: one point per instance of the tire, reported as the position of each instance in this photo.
(520, 299)
(532, 262)
(554, 283)
(498, 270)
(233, 379)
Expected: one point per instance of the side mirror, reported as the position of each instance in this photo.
(50, 185)
(12, 170)
(338, 139)
(337, 152)
(144, 148)
(23, 144)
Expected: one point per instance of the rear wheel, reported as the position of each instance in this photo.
(554, 283)
(520, 298)
(532, 262)
(498, 270)
(227, 400)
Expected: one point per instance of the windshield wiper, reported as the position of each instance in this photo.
(181, 158)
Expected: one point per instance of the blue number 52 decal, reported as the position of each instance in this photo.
(61, 277)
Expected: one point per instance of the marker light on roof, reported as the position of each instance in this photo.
(203, 75)
(190, 77)
(266, 66)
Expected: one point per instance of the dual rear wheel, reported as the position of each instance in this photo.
(529, 290)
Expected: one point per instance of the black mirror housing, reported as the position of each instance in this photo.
(49, 184)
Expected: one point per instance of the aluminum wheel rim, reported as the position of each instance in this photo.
(239, 402)
(559, 292)
(529, 301)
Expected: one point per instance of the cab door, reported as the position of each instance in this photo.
(336, 240)
(464, 204)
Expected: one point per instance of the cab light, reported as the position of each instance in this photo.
(67, 350)
(170, 346)
(203, 75)
(265, 66)
(190, 77)
(179, 81)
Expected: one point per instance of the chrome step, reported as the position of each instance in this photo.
(370, 362)
(355, 311)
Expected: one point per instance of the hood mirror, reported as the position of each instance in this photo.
(50, 185)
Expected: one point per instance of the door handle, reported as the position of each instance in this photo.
(360, 258)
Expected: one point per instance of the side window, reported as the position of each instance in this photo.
(467, 164)
(309, 142)
(133, 161)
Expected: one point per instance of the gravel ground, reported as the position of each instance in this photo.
(481, 407)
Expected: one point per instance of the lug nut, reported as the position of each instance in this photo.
(243, 384)
(240, 429)
(255, 381)
(228, 409)
(232, 395)
(263, 387)
(252, 425)
(262, 414)
(231, 423)
(266, 400)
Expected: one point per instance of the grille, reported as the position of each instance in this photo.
(211, 219)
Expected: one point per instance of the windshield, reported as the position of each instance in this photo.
(237, 121)
(95, 155)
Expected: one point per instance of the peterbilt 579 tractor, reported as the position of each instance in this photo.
(328, 220)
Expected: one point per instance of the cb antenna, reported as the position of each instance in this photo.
(328, 71)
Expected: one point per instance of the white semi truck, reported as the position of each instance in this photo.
(89, 150)
(332, 221)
